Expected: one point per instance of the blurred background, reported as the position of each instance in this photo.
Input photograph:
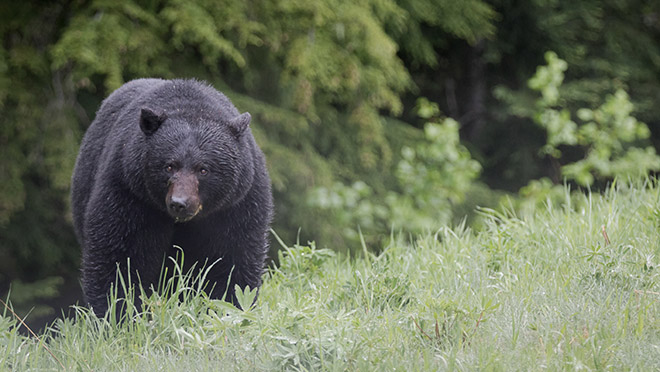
(377, 117)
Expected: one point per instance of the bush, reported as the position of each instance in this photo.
(432, 176)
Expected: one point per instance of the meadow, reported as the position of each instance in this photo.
(574, 286)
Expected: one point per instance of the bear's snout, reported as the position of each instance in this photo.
(182, 198)
(178, 205)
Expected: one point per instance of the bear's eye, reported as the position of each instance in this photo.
(169, 168)
(203, 171)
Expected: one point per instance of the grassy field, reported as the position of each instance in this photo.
(569, 288)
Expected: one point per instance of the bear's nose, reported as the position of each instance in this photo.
(178, 204)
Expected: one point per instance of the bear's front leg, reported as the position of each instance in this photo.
(243, 265)
(236, 249)
(118, 234)
(244, 272)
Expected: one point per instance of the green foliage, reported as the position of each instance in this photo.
(351, 206)
(103, 38)
(439, 162)
(302, 259)
(205, 24)
(548, 79)
(339, 52)
(124, 39)
(609, 135)
(431, 178)
(544, 290)
(338, 68)
(540, 193)
(608, 45)
(39, 137)
(557, 122)
(420, 27)
(25, 295)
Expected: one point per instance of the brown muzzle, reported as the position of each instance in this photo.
(183, 197)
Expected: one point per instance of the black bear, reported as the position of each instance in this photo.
(165, 163)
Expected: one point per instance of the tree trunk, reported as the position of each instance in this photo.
(474, 118)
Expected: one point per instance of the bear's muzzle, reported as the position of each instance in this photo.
(182, 200)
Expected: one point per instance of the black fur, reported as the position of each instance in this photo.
(170, 162)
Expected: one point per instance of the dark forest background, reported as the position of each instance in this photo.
(387, 115)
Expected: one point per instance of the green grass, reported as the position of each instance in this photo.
(528, 293)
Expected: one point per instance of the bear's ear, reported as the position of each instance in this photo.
(239, 124)
(150, 121)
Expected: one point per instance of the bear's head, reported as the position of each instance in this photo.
(196, 164)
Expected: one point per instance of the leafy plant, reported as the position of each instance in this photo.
(432, 176)
(610, 137)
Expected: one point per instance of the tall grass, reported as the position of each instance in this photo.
(574, 287)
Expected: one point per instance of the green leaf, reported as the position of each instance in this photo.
(245, 297)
